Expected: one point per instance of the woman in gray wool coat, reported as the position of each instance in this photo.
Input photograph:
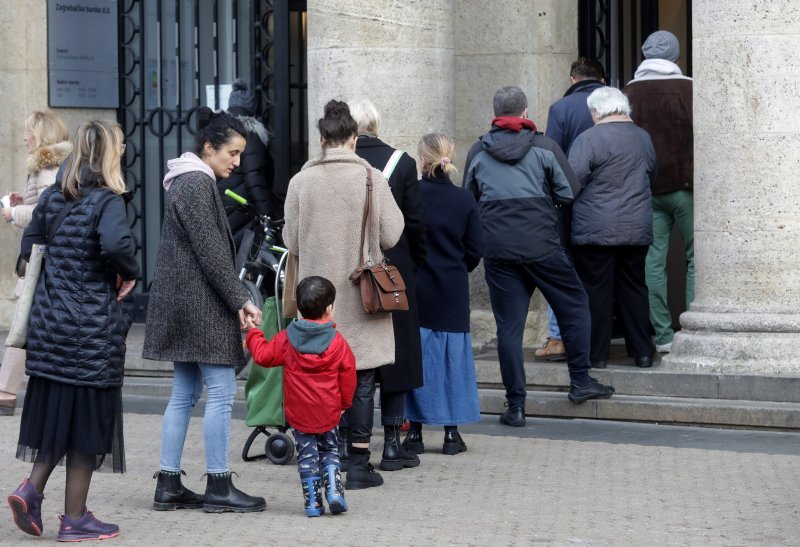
(196, 312)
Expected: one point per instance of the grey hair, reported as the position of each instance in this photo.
(606, 101)
(366, 116)
(509, 101)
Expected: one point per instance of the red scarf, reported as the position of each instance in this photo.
(514, 123)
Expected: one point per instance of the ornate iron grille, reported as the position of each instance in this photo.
(177, 55)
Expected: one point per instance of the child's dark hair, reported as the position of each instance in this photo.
(336, 124)
(314, 295)
(217, 128)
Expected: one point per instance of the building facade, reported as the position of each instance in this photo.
(433, 65)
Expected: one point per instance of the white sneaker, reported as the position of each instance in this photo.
(664, 348)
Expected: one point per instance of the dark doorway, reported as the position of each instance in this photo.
(613, 31)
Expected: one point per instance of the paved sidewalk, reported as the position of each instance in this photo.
(565, 488)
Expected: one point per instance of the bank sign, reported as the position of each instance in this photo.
(82, 58)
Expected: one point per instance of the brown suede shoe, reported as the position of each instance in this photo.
(552, 350)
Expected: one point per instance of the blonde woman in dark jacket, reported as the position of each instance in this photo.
(79, 320)
(47, 141)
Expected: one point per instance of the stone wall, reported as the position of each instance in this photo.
(434, 66)
(23, 73)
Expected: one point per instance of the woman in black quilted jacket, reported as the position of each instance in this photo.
(79, 320)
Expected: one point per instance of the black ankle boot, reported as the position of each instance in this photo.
(361, 473)
(453, 443)
(171, 494)
(395, 457)
(222, 495)
(413, 441)
(344, 452)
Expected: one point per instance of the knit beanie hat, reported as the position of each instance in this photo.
(661, 44)
(242, 97)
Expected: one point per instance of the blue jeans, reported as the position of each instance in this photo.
(187, 385)
(552, 324)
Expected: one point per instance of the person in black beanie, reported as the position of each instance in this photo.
(254, 177)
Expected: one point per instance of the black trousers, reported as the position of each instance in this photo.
(511, 287)
(358, 418)
(609, 271)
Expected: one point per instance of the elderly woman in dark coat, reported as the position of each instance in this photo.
(196, 310)
(409, 253)
(612, 223)
(78, 323)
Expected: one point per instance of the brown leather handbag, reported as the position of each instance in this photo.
(382, 286)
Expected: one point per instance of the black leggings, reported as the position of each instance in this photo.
(359, 417)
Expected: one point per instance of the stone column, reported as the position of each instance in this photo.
(746, 313)
(399, 54)
(23, 73)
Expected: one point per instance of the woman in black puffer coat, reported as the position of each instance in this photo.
(79, 320)
(254, 176)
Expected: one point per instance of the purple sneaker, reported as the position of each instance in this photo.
(26, 505)
(85, 528)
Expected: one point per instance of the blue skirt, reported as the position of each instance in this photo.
(450, 393)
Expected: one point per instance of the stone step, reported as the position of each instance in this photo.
(672, 410)
(656, 381)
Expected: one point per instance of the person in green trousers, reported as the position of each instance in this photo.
(661, 98)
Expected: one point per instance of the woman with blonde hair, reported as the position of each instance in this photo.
(449, 396)
(47, 142)
(79, 320)
(408, 254)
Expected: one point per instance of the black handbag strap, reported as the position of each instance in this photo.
(57, 222)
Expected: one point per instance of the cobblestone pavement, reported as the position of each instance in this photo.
(505, 490)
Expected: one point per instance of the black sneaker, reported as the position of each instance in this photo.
(514, 416)
(595, 390)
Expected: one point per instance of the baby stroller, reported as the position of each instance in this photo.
(264, 394)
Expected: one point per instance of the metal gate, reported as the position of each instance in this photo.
(178, 55)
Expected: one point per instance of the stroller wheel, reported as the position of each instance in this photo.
(279, 448)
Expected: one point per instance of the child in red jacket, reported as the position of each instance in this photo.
(319, 380)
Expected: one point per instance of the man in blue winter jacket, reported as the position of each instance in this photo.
(567, 118)
(517, 176)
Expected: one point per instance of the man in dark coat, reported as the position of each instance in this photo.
(254, 176)
(406, 372)
(569, 117)
(517, 178)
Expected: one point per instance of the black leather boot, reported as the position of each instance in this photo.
(413, 441)
(222, 495)
(395, 457)
(344, 453)
(171, 494)
(361, 473)
(453, 443)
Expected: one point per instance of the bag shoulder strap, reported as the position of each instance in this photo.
(394, 159)
(367, 214)
(57, 222)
